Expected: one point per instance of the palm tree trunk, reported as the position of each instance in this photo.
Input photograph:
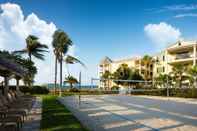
(55, 73)
(29, 56)
(180, 82)
(61, 75)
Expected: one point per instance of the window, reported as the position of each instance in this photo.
(163, 69)
(163, 58)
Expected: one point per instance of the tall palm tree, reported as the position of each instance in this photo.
(33, 48)
(56, 53)
(61, 43)
(72, 60)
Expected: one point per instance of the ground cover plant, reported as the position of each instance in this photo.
(55, 117)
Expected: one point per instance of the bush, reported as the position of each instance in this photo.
(115, 88)
(74, 90)
(24, 89)
(39, 90)
(173, 92)
(33, 89)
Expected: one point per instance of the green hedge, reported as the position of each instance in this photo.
(173, 92)
(39, 90)
(34, 89)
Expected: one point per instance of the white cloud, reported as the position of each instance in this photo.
(15, 27)
(162, 34)
(173, 8)
(186, 15)
(182, 7)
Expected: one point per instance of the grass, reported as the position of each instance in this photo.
(55, 117)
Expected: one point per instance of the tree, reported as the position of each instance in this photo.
(33, 48)
(147, 60)
(163, 79)
(61, 42)
(106, 76)
(55, 43)
(31, 72)
(72, 60)
(178, 73)
(122, 73)
(136, 77)
(192, 71)
(71, 80)
(26, 64)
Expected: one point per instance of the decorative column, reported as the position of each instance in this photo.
(17, 84)
(194, 55)
(6, 88)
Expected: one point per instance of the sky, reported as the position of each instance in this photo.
(98, 28)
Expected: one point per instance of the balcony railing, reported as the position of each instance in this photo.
(183, 56)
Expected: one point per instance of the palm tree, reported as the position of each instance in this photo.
(192, 71)
(106, 76)
(71, 80)
(61, 43)
(163, 79)
(72, 60)
(178, 73)
(31, 72)
(33, 48)
(147, 61)
(56, 53)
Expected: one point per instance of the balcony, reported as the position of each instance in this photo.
(181, 58)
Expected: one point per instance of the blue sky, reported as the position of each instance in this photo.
(98, 28)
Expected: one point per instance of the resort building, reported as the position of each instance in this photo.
(136, 63)
(181, 52)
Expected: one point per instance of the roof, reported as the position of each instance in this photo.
(106, 60)
(9, 67)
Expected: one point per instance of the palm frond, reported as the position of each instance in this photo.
(20, 52)
(38, 55)
(72, 60)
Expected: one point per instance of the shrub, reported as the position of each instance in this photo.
(174, 92)
(25, 89)
(39, 90)
(74, 90)
(115, 88)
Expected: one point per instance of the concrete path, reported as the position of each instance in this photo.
(34, 117)
(128, 113)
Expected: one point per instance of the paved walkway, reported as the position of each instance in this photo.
(126, 113)
(33, 120)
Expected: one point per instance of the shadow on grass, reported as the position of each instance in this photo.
(55, 117)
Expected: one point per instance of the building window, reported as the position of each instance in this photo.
(163, 58)
(163, 69)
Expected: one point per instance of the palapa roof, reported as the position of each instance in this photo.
(9, 67)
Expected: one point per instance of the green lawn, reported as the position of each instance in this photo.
(55, 117)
